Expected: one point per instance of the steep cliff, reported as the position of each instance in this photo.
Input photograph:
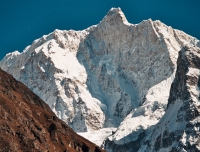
(178, 130)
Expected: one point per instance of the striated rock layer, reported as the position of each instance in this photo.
(114, 74)
(28, 124)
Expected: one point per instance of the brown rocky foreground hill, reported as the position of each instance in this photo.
(28, 124)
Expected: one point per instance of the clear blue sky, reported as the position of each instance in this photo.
(23, 21)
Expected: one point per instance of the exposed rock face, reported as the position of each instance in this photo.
(28, 124)
(114, 74)
(178, 130)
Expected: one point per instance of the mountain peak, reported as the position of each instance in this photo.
(115, 10)
(115, 15)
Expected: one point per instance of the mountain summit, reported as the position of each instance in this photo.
(112, 79)
(115, 16)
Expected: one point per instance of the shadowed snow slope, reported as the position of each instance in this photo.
(114, 74)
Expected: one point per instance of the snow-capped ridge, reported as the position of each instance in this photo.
(13, 54)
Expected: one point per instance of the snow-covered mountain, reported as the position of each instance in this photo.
(111, 75)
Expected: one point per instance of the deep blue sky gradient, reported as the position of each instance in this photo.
(23, 21)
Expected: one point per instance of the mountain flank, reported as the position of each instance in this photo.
(28, 124)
